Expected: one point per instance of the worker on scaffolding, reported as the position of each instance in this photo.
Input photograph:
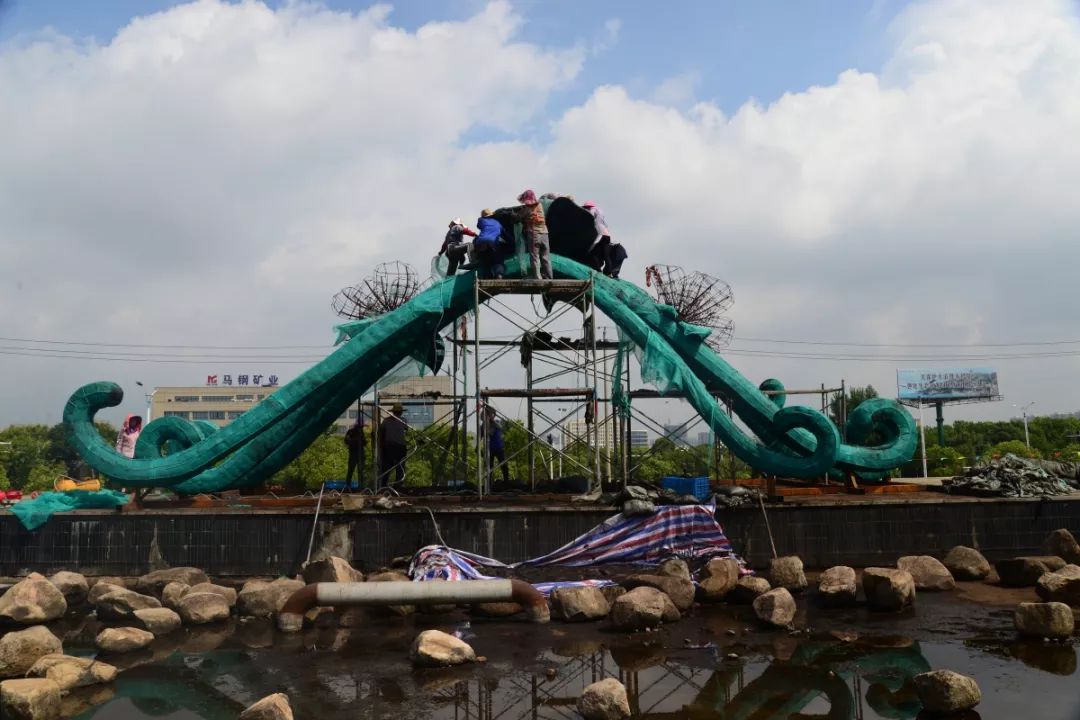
(354, 442)
(490, 249)
(454, 245)
(599, 247)
(530, 213)
(496, 445)
(391, 439)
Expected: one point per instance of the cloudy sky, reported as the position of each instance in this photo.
(892, 181)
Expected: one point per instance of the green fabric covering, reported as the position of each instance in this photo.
(35, 512)
(786, 441)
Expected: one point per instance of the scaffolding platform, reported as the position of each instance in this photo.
(533, 287)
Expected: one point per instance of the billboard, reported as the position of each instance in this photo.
(930, 385)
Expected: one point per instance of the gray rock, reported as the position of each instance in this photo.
(121, 640)
(837, 587)
(332, 569)
(31, 601)
(747, 589)
(966, 563)
(1062, 544)
(578, 604)
(674, 567)
(100, 589)
(172, 593)
(108, 579)
(775, 607)
(19, 650)
(159, 621)
(680, 590)
(1026, 571)
(202, 608)
(631, 508)
(30, 699)
(1060, 586)
(718, 578)
(122, 604)
(73, 586)
(227, 593)
(604, 700)
(153, 583)
(1052, 620)
(434, 648)
(945, 691)
(612, 591)
(888, 589)
(787, 572)
(72, 672)
(641, 608)
(271, 707)
(927, 572)
(264, 599)
(497, 609)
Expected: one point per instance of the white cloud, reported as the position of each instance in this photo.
(216, 171)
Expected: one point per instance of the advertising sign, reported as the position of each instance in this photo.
(930, 385)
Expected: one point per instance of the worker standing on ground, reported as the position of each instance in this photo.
(488, 244)
(531, 215)
(598, 251)
(496, 446)
(354, 441)
(391, 437)
(454, 245)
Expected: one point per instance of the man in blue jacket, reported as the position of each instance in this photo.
(496, 448)
(488, 244)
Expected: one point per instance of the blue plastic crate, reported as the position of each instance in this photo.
(696, 486)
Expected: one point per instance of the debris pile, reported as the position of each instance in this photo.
(1012, 476)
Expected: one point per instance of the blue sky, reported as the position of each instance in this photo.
(732, 49)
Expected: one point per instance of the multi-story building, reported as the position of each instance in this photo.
(704, 438)
(580, 431)
(678, 434)
(425, 400)
(639, 439)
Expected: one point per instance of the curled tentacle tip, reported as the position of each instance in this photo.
(774, 390)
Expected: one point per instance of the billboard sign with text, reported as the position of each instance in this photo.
(931, 385)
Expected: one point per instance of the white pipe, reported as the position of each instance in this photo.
(402, 592)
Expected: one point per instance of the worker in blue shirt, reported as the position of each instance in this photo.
(496, 448)
(488, 244)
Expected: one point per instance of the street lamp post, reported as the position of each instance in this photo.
(1023, 410)
(149, 396)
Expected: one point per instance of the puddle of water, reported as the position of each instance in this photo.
(850, 664)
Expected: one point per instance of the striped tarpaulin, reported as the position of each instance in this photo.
(686, 531)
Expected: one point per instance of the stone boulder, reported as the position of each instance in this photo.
(604, 700)
(1026, 571)
(264, 599)
(837, 587)
(108, 579)
(1062, 544)
(747, 589)
(674, 567)
(680, 590)
(775, 607)
(888, 589)
(122, 604)
(172, 593)
(496, 609)
(100, 589)
(718, 578)
(73, 586)
(153, 583)
(641, 608)
(30, 699)
(787, 572)
(927, 572)
(966, 563)
(159, 621)
(1044, 620)
(271, 707)
(31, 601)
(434, 648)
(1061, 586)
(946, 692)
(72, 672)
(227, 593)
(393, 576)
(121, 640)
(579, 604)
(332, 569)
(202, 608)
(19, 650)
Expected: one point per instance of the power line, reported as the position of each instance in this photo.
(167, 347)
(907, 345)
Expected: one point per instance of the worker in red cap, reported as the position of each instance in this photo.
(530, 213)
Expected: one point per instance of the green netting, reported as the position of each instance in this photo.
(787, 441)
(33, 513)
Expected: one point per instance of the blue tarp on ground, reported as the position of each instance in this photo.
(34, 513)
